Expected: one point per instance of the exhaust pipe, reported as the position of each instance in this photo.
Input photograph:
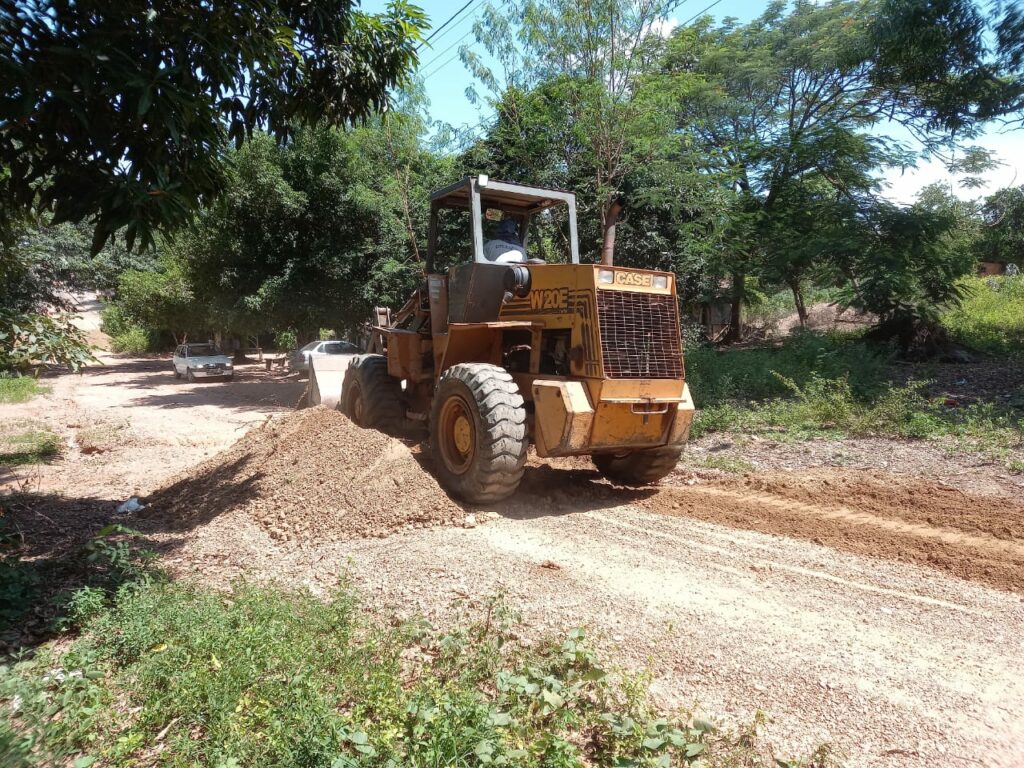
(610, 220)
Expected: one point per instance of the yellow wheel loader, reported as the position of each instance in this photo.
(580, 359)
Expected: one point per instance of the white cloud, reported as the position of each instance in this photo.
(663, 27)
(1007, 148)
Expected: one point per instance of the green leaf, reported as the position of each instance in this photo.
(694, 749)
(653, 742)
(552, 699)
(500, 719)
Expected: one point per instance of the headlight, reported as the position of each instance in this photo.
(605, 276)
(660, 281)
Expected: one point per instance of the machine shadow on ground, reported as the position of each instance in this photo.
(548, 489)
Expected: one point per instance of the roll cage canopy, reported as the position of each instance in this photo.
(520, 202)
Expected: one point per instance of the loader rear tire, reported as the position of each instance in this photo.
(478, 433)
(637, 468)
(370, 397)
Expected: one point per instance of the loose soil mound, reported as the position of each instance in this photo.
(973, 537)
(313, 475)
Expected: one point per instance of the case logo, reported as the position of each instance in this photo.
(633, 278)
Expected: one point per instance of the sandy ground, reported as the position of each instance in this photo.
(854, 606)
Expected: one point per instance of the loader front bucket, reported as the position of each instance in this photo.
(325, 379)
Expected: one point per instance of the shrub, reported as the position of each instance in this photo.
(133, 341)
(720, 376)
(286, 339)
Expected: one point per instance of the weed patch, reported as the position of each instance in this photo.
(991, 317)
(723, 463)
(263, 676)
(101, 436)
(19, 389)
(828, 407)
(27, 442)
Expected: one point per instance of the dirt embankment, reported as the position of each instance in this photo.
(311, 476)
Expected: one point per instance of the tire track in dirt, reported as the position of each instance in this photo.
(845, 515)
(973, 537)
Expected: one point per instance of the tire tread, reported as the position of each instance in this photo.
(501, 435)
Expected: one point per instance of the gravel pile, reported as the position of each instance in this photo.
(312, 475)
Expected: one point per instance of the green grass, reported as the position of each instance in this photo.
(828, 385)
(19, 389)
(176, 675)
(991, 318)
(722, 462)
(27, 442)
(720, 376)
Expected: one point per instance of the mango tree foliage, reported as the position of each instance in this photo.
(120, 113)
(314, 233)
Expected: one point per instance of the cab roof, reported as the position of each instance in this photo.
(503, 195)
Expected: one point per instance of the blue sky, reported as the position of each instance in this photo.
(446, 80)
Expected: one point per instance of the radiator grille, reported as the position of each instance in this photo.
(639, 335)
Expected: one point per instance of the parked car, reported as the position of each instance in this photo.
(299, 359)
(201, 361)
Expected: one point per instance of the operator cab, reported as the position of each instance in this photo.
(518, 204)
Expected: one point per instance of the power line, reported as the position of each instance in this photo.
(700, 13)
(450, 19)
(430, 63)
(469, 14)
(441, 66)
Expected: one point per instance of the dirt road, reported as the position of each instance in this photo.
(877, 612)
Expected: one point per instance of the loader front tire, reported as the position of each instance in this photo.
(370, 397)
(478, 433)
(636, 468)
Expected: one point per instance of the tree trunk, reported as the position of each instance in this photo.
(736, 316)
(611, 218)
(798, 300)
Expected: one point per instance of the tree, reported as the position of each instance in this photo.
(786, 113)
(1002, 236)
(315, 233)
(120, 113)
(903, 266)
(957, 63)
(161, 299)
(574, 107)
(782, 116)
